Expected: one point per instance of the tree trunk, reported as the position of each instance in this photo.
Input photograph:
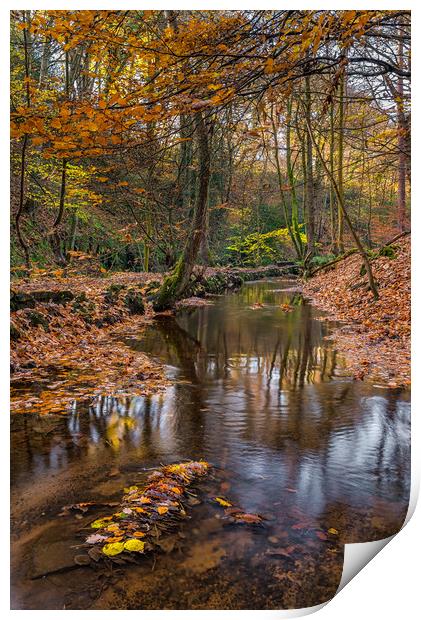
(401, 148)
(332, 172)
(309, 187)
(176, 283)
(24, 151)
(340, 240)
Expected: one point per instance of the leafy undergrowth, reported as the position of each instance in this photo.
(376, 337)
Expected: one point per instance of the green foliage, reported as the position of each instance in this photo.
(262, 248)
(388, 250)
(319, 260)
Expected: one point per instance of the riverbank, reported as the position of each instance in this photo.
(374, 336)
(67, 333)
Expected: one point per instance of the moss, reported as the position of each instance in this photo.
(112, 293)
(153, 285)
(389, 251)
(36, 319)
(15, 334)
(84, 308)
(54, 297)
(21, 300)
(134, 301)
(167, 294)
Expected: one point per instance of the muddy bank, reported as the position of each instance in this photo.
(374, 336)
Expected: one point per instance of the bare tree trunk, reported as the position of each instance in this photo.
(340, 240)
(332, 172)
(23, 152)
(287, 218)
(401, 147)
(309, 187)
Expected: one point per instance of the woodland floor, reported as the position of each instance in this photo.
(72, 343)
(375, 335)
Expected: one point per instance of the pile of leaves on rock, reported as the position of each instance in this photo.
(376, 339)
(144, 514)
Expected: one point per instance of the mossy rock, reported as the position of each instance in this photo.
(389, 251)
(21, 300)
(84, 308)
(112, 293)
(153, 285)
(15, 333)
(106, 319)
(134, 301)
(36, 319)
(54, 297)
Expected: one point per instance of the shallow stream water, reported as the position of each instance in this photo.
(262, 394)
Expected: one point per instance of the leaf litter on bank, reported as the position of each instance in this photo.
(375, 335)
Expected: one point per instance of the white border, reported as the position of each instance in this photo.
(390, 583)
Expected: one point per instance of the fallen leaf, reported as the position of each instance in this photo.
(222, 502)
(113, 548)
(134, 545)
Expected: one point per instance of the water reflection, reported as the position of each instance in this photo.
(257, 392)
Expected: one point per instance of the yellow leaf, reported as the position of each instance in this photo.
(101, 522)
(139, 534)
(222, 502)
(113, 548)
(332, 530)
(134, 545)
(162, 510)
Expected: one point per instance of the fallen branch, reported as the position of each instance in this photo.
(402, 234)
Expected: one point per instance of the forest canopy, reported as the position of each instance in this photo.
(157, 140)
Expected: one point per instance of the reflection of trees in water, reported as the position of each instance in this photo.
(213, 344)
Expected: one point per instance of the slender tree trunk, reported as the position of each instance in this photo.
(401, 148)
(291, 180)
(146, 244)
(19, 212)
(340, 240)
(73, 232)
(281, 190)
(309, 188)
(55, 238)
(332, 173)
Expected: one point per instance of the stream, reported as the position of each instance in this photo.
(260, 392)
